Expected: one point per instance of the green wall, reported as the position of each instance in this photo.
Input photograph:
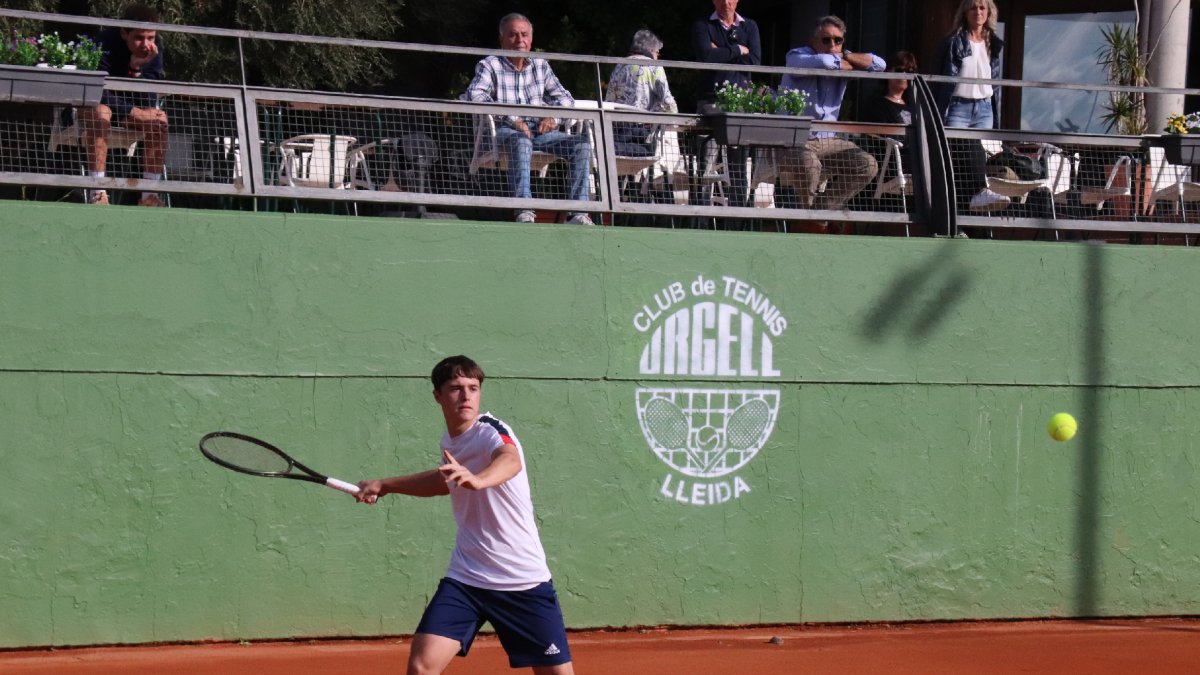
(907, 474)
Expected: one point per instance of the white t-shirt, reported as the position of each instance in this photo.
(975, 65)
(497, 546)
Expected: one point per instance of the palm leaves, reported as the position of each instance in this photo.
(1124, 64)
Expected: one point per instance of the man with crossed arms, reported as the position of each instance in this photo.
(839, 164)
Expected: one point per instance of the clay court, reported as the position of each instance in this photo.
(1096, 647)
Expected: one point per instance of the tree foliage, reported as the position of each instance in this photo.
(569, 26)
(199, 58)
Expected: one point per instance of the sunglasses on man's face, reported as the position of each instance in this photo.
(832, 40)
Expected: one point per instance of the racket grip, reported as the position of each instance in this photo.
(348, 488)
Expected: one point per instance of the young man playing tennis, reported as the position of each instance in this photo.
(498, 569)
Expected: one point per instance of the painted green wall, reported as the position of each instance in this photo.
(908, 474)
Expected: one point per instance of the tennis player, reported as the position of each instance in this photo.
(498, 569)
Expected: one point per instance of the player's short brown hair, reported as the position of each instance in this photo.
(455, 366)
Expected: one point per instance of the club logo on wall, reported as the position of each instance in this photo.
(711, 329)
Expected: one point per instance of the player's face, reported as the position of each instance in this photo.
(517, 36)
(459, 398)
(139, 41)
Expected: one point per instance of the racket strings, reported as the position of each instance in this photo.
(246, 455)
(747, 424)
(667, 423)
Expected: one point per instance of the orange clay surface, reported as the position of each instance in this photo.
(1095, 647)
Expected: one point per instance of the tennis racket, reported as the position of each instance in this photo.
(247, 454)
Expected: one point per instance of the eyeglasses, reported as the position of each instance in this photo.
(832, 40)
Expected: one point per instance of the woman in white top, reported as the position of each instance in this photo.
(972, 50)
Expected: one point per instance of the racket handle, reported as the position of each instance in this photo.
(348, 488)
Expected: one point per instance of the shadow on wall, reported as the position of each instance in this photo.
(949, 282)
(898, 310)
(1087, 516)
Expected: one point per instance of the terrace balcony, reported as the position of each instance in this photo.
(246, 147)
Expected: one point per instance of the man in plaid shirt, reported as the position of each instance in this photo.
(530, 81)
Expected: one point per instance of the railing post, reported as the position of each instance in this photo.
(934, 198)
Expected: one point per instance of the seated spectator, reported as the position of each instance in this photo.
(640, 86)
(645, 87)
(128, 53)
(530, 81)
(838, 164)
(891, 103)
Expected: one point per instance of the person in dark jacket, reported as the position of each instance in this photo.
(135, 53)
(892, 103)
(725, 37)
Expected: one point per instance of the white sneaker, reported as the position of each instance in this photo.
(988, 200)
(526, 217)
(580, 219)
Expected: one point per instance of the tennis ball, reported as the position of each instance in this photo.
(1062, 427)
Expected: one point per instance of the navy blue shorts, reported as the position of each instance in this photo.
(528, 623)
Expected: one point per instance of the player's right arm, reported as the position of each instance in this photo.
(424, 484)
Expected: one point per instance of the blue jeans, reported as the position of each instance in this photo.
(574, 148)
(969, 113)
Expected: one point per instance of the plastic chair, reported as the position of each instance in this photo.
(317, 160)
(630, 167)
(1171, 182)
(1056, 181)
(900, 184)
(485, 154)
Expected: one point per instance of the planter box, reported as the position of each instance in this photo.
(26, 84)
(782, 131)
(1181, 148)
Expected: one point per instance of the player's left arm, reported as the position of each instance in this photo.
(506, 463)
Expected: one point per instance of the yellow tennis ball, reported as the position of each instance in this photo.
(1062, 427)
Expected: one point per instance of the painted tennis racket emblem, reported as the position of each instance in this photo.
(707, 433)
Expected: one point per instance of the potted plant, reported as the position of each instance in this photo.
(759, 115)
(45, 69)
(21, 51)
(1124, 64)
(1181, 142)
(87, 54)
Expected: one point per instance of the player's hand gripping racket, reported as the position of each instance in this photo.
(259, 458)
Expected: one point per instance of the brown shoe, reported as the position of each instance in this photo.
(98, 197)
(151, 200)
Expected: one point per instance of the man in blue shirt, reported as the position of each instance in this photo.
(841, 166)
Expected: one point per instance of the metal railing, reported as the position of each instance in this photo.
(283, 148)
